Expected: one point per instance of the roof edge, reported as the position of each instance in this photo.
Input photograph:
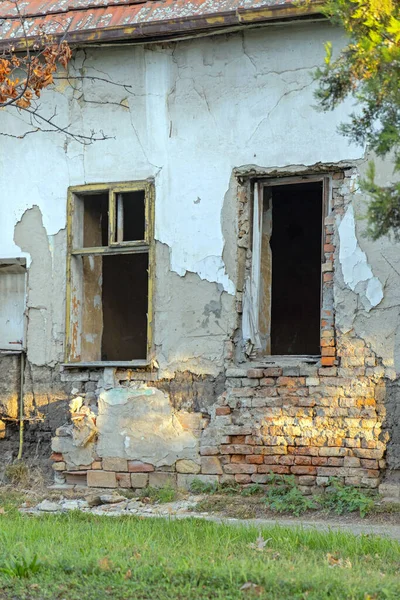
(188, 25)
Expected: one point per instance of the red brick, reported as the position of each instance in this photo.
(287, 459)
(238, 439)
(254, 459)
(328, 351)
(327, 361)
(241, 478)
(57, 457)
(233, 469)
(368, 453)
(325, 342)
(328, 277)
(302, 460)
(330, 471)
(319, 461)
(303, 470)
(291, 381)
(329, 248)
(267, 381)
(237, 449)
(272, 460)
(304, 450)
(136, 466)
(369, 463)
(278, 469)
(272, 372)
(222, 410)
(238, 458)
(255, 373)
(334, 461)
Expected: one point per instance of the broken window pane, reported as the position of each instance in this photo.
(95, 220)
(131, 216)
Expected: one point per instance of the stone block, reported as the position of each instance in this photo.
(187, 466)
(136, 466)
(101, 479)
(2, 430)
(236, 372)
(97, 464)
(59, 466)
(391, 490)
(159, 480)
(139, 480)
(115, 464)
(209, 450)
(210, 465)
(124, 480)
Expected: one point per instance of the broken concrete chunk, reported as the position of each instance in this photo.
(48, 506)
(111, 498)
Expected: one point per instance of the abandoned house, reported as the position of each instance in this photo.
(193, 296)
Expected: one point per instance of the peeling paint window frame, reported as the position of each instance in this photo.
(251, 308)
(114, 248)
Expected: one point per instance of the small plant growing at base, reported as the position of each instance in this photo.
(201, 487)
(252, 490)
(342, 498)
(285, 497)
(18, 473)
(161, 495)
(21, 566)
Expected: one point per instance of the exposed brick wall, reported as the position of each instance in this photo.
(309, 421)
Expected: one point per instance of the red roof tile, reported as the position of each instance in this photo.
(107, 20)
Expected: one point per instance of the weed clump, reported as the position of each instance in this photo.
(340, 498)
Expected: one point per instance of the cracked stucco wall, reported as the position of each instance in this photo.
(186, 114)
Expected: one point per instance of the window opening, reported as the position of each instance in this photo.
(109, 273)
(283, 297)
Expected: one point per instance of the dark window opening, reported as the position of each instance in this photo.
(295, 237)
(125, 301)
(131, 216)
(95, 220)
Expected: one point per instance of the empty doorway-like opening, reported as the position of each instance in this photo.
(290, 240)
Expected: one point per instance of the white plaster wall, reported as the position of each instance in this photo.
(191, 112)
(194, 111)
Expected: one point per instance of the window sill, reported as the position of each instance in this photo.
(134, 364)
(283, 361)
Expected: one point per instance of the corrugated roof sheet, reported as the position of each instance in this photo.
(107, 20)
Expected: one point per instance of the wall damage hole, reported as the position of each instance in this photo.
(295, 246)
(130, 216)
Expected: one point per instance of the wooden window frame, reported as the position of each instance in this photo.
(114, 248)
(256, 234)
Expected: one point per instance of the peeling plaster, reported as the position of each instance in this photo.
(357, 273)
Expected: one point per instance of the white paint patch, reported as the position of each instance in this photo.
(357, 273)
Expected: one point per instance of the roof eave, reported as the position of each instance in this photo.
(191, 25)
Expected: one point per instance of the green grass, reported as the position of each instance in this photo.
(84, 557)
